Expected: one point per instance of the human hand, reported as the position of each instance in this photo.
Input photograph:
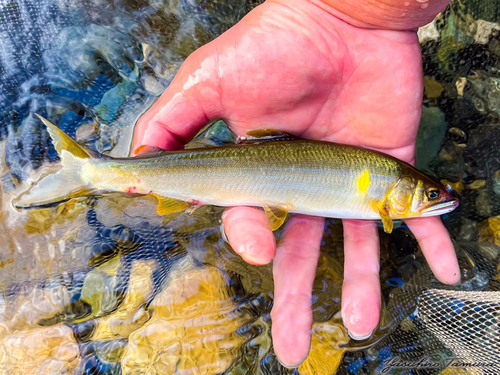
(292, 65)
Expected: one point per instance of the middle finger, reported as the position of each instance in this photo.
(361, 288)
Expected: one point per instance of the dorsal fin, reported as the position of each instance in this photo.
(264, 136)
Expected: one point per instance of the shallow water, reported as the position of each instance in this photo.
(106, 286)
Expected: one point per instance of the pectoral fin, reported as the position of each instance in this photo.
(384, 215)
(169, 206)
(276, 215)
(387, 222)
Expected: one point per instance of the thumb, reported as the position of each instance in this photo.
(189, 102)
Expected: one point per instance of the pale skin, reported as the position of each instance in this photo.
(339, 71)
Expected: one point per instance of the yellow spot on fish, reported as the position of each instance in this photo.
(364, 182)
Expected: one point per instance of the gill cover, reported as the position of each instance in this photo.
(397, 202)
(65, 183)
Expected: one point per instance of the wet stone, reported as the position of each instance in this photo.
(101, 357)
(8, 183)
(430, 136)
(468, 231)
(132, 312)
(325, 343)
(481, 155)
(184, 335)
(51, 350)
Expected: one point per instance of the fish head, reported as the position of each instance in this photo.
(418, 195)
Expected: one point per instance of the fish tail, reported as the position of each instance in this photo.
(67, 183)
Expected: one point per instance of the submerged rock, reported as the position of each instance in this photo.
(430, 137)
(325, 344)
(133, 312)
(51, 350)
(193, 327)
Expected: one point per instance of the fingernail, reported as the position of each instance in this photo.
(359, 337)
(145, 149)
(288, 366)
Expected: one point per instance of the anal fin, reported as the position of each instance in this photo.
(384, 216)
(169, 205)
(276, 215)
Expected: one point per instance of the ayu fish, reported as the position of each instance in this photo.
(270, 169)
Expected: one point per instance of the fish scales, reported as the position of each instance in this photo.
(317, 178)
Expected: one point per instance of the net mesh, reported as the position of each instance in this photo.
(466, 322)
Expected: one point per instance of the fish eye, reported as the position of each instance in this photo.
(432, 193)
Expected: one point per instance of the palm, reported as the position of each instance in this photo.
(363, 88)
(332, 81)
(302, 70)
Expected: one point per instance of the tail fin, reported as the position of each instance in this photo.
(67, 182)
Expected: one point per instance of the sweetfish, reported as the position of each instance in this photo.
(270, 169)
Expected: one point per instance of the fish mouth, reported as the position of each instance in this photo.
(440, 208)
